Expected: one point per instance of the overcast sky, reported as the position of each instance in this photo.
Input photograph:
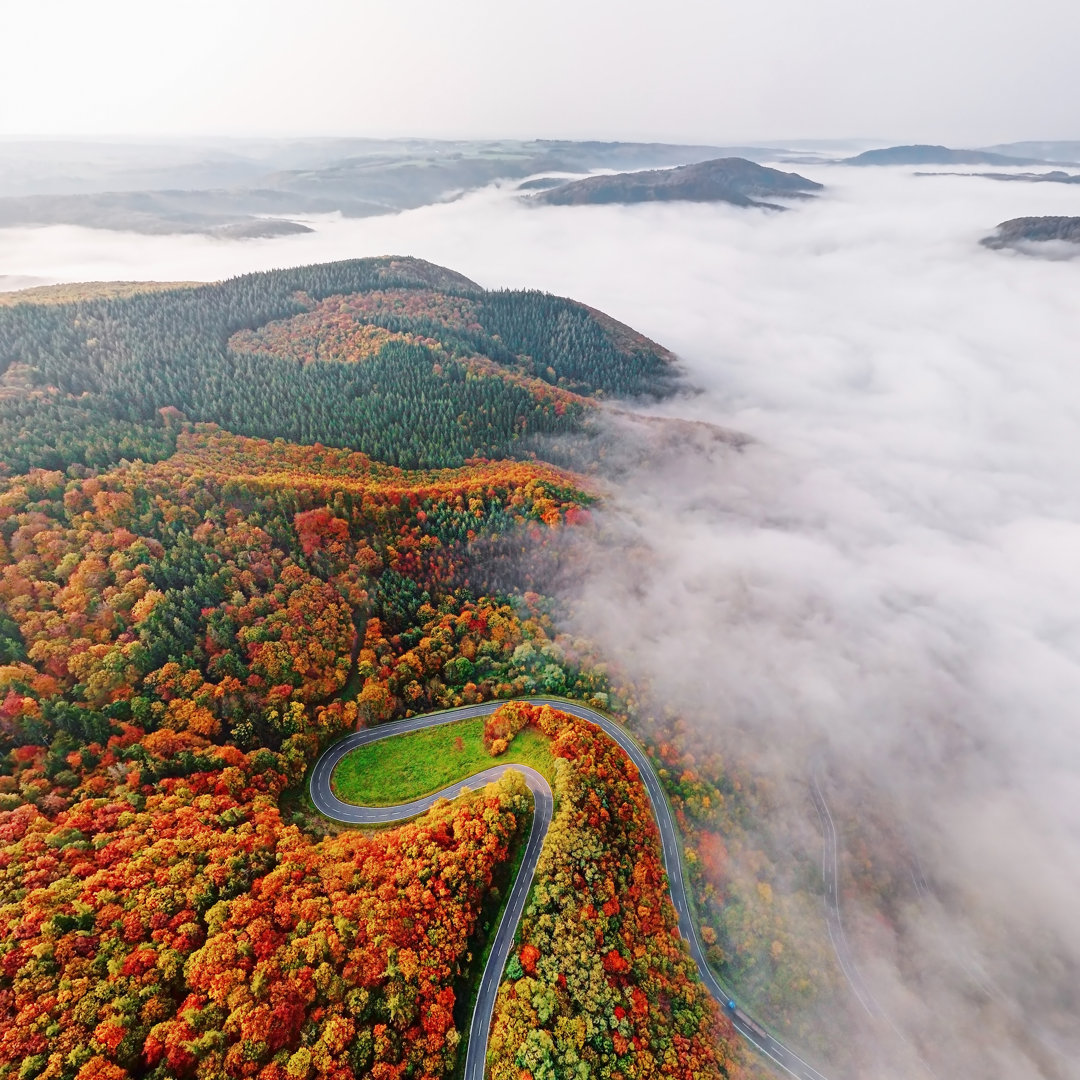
(960, 71)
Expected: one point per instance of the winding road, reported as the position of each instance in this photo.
(329, 804)
(830, 873)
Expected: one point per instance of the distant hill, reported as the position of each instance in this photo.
(1057, 176)
(238, 189)
(730, 180)
(1060, 152)
(1019, 232)
(934, 155)
(255, 188)
(227, 215)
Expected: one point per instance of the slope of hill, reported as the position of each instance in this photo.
(730, 180)
(70, 293)
(934, 155)
(1020, 232)
(188, 615)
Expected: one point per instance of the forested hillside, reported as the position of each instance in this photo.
(460, 372)
(188, 614)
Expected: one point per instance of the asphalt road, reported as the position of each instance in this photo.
(324, 799)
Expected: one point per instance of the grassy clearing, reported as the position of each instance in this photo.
(407, 767)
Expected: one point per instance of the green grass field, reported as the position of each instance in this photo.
(407, 767)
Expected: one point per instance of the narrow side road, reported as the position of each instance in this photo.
(329, 804)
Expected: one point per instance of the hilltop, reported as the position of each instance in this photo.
(402, 360)
(731, 180)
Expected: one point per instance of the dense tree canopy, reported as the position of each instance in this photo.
(172, 635)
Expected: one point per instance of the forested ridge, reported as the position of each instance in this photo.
(416, 400)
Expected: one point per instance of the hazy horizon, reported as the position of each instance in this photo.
(933, 71)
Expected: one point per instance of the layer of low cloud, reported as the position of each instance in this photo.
(889, 569)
